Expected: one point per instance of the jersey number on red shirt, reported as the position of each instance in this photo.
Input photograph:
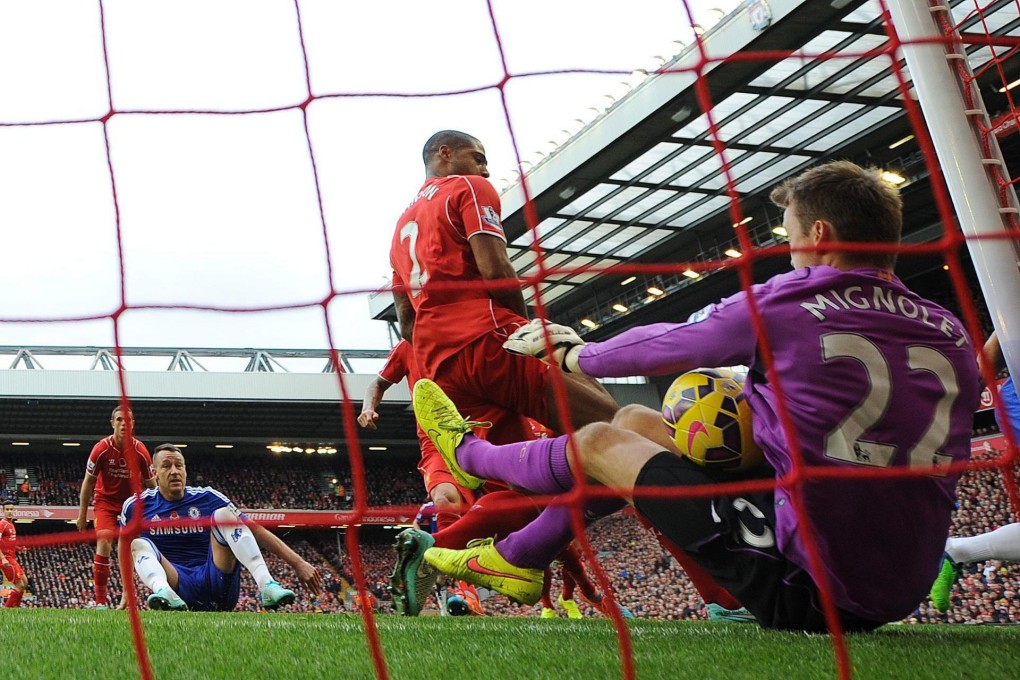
(419, 278)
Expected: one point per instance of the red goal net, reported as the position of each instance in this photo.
(234, 180)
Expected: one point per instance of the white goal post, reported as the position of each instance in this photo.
(967, 170)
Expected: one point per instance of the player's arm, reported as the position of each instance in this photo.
(494, 265)
(373, 395)
(992, 353)
(88, 486)
(720, 335)
(308, 575)
(124, 539)
(405, 314)
(148, 468)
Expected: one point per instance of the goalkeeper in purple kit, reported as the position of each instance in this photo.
(871, 375)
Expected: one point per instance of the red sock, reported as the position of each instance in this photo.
(101, 575)
(710, 591)
(445, 519)
(546, 584)
(14, 599)
(574, 569)
(568, 585)
(489, 516)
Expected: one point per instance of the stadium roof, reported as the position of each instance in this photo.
(643, 183)
(264, 404)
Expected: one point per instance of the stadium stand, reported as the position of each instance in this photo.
(300, 483)
(643, 575)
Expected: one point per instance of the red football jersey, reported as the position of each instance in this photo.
(113, 471)
(8, 539)
(401, 364)
(431, 250)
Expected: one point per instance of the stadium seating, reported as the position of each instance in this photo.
(644, 576)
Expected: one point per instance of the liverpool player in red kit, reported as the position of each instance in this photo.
(8, 562)
(449, 238)
(451, 235)
(116, 465)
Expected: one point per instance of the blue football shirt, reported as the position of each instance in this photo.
(179, 529)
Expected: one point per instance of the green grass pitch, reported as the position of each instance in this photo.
(53, 643)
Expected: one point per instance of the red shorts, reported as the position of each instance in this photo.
(106, 519)
(14, 572)
(488, 383)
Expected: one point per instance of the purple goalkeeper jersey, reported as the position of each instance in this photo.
(873, 376)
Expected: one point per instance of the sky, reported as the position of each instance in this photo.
(222, 211)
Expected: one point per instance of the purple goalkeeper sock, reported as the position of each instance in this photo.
(539, 465)
(537, 544)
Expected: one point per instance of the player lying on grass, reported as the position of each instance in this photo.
(872, 377)
(196, 564)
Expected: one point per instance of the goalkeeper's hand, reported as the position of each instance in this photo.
(530, 340)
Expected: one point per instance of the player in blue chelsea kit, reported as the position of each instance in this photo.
(196, 564)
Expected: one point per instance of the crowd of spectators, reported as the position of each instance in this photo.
(298, 483)
(987, 591)
(643, 576)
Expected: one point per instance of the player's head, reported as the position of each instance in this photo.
(119, 420)
(171, 473)
(449, 152)
(8, 510)
(840, 201)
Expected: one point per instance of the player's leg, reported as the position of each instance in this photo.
(158, 574)
(540, 465)
(451, 499)
(450, 505)
(548, 611)
(493, 514)
(648, 423)
(574, 568)
(566, 598)
(412, 580)
(587, 402)
(106, 534)
(1000, 544)
(451, 502)
(497, 513)
(233, 542)
(734, 539)
(16, 575)
(608, 454)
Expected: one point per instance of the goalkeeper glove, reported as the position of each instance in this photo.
(530, 340)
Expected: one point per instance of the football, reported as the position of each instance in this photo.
(709, 420)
